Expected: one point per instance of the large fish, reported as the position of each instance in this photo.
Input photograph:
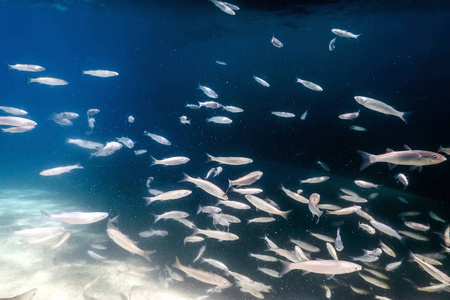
(408, 157)
(381, 107)
(330, 267)
(25, 296)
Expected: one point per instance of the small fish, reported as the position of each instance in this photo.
(220, 120)
(366, 185)
(323, 165)
(16, 121)
(314, 199)
(13, 110)
(126, 142)
(26, 68)
(314, 180)
(100, 73)
(203, 276)
(184, 120)
(374, 281)
(223, 7)
(170, 161)
(157, 138)
(386, 249)
(140, 152)
(433, 271)
(60, 170)
(276, 42)
(305, 246)
(200, 253)
(193, 239)
(357, 128)
(233, 204)
(436, 217)
(234, 161)
(385, 229)
(48, 81)
(192, 106)
(417, 226)
(264, 206)
(92, 111)
(216, 234)
(392, 266)
(153, 232)
(17, 129)
(130, 119)
(214, 172)
(246, 191)
(367, 228)
(310, 85)
(171, 215)
(221, 63)
(264, 257)
(269, 272)
(381, 107)
(345, 211)
(207, 186)
(209, 104)
(332, 251)
(261, 81)
(402, 178)
(414, 236)
(75, 217)
(331, 267)
(304, 115)
(208, 92)
(349, 116)
(261, 220)
(95, 255)
(338, 242)
(232, 109)
(217, 264)
(332, 45)
(246, 180)
(345, 34)
(170, 195)
(283, 114)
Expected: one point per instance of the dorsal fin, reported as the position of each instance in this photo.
(406, 147)
(389, 150)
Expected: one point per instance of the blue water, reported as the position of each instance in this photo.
(163, 51)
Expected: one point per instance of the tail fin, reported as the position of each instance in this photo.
(405, 115)
(230, 184)
(209, 157)
(156, 218)
(147, 255)
(367, 159)
(9, 67)
(286, 213)
(154, 161)
(148, 200)
(177, 263)
(186, 178)
(30, 80)
(45, 217)
(285, 268)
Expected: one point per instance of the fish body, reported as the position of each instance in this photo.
(175, 214)
(345, 211)
(261, 220)
(385, 229)
(313, 201)
(157, 138)
(48, 81)
(246, 180)
(283, 114)
(75, 217)
(60, 170)
(171, 161)
(276, 42)
(126, 142)
(332, 44)
(153, 232)
(314, 180)
(338, 241)
(13, 110)
(414, 158)
(26, 68)
(35, 233)
(220, 120)
(233, 161)
(310, 85)
(92, 111)
(357, 128)
(366, 185)
(367, 228)
(209, 104)
(222, 63)
(345, 34)
(184, 120)
(232, 109)
(402, 178)
(16, 121)
(323, 165)
(349, 116)
(261, 81)
(381, 107)
(216, 234)
(203, 276)
(140, 152)
(17, 129)
(214, 172)
(430, 269)
(304, 115)
(223, 7)
(264, 206)
(330, 267)
(100, 73)
(208, 92)
(207, 186)
(108, 149)
(170, 195)
(296, 196)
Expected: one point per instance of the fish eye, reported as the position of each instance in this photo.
(434, 157)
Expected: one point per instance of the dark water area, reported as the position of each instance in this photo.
(163, 51)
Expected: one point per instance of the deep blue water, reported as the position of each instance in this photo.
(163, 51)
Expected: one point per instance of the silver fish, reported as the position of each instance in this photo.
(60, 170)
(203, 276)
(26, 68)
(100, 73)
(310, 85)
(157, 138)
(48, 81)
(208, 92)
(261, 81)
(276, 42)
(331, 267)
(345, 34)
(381, 107)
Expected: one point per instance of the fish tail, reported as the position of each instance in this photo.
(285, 268)
(147, 255)
(209, 157)
(285, 214)
(156, 218)
(186, 178)
(45, 217)
(367, 159)
(230, 184)
(195, 230)
(357, 36)
(405, 115)
(8, 66)
(199, 209)
(30, 80)
(177, 263)
(154, 161)
(148, 200)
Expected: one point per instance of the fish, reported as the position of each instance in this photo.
(385, 229)
(321, 237)
(157, 138)
(283, 114)
(13, 110)
(214, 172)
(16, 121)
(246, 180)
(345, 211)
(269, 272)
(276, 42)
(263, 257)
(296, 196)
(200, 253)
(233, 204)
(203, 276)
(60, 170)
(264, 206)
(261, 81)
(48, 81)
(95, 255)
(125, 242)
(447, 236)
(349, 116)
(261, 220)
(310, 85)
(223, 7)
(433, 271)
(330, 267)
(108, 149)
(26, 68)
(170, 195)
(220, 120)
(192, 106)
(92, 111)
(392, 266)
(415, 236)
(332, 251)
(246, 191)
(100, 73)
(184, 120)
(381, 107)
(402, 178)
(25, 296)
(207, 186)
(209, 104)
(126, 142)
(233, 161)
(338, 241)
(193, 239)
(174, 275)
(314, 199)
(434, 216)
(175, 214)
(75, 217)
(345, 34)
(366, 185)
(35, 233)
(367, 228)
(407, 157)
(323, 165)
(386, 249)
(314, 180)
(374, 281)
(221, 63)
(153, 232)
(232, 109)
(17, 129)
(417, 226)
(357, 128)
(332, 44)
(216, 234)
(304, 115)
(215, 263)
(208, 209)
(208, 92)
(140, 152)
(170, 161)
(62, 241)
(130, 119)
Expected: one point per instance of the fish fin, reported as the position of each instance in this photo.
(45, 217)
(305, 272)
(186, 178)
(405, 115)
(154, 160)
(177, 263)
(195, 231)
(406, 147)
(286, 214)
(230, 184)
(115, 219)
(148, 200)
(418, 168)
(8, 66)
(367, 159)
(281, 187)
(329, 276)
(285, 268)
(156, 218)
(199, 209)
(209, 157)
(391, 166)
(389, 150)
(147, 255)
(29, 80)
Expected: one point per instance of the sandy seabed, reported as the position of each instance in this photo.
(63, 274)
